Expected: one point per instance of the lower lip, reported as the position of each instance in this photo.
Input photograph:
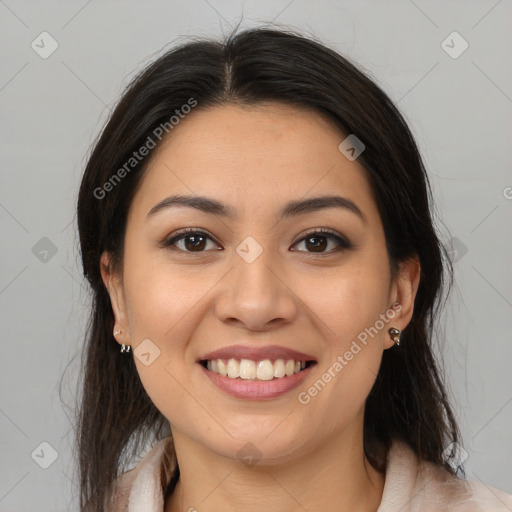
(257, 389)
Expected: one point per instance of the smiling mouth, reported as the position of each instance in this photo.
(247, 369)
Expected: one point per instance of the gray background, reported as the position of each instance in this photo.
(52, 109)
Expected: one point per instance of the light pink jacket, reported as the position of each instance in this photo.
(410, 485)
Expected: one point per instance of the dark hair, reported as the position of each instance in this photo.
(408, 400)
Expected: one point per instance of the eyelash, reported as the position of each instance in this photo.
(318, 232)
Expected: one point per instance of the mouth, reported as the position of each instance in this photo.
(257, 370)
(256, 379)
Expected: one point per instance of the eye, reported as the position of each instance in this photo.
(315, 241)
(191, 239)
(318, 241)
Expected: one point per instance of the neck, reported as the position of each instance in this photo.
(335, 476)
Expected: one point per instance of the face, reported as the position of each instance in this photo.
(255, 278)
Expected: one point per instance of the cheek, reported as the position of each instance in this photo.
(160, 298)
(348, 300)
(348, 307)
(163, 307)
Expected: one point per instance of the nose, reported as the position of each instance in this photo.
(256, 296)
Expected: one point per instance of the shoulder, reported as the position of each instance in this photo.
(435, 486)
(415, 485)
(146, 483)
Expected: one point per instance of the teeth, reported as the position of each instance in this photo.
(233, 369)
(279, 370)
(251, 370)
(223, 369)
(247, 369)
(265, 370)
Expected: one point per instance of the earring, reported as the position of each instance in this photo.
(395, 335)
(124, 348)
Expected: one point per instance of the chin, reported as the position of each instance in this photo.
(257, 447)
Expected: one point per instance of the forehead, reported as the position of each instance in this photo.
(254, 157)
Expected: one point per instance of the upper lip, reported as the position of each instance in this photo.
(272, 352)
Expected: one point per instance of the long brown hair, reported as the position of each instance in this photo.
(116, 418)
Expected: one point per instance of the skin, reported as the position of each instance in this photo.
(255, 159)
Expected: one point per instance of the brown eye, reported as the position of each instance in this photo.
(191, 240)
(318, 241)
(194, 242)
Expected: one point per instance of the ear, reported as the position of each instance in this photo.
(403, 292)
(114, 284)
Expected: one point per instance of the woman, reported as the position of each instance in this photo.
(255, 225)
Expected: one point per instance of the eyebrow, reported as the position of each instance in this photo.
(290, 209)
